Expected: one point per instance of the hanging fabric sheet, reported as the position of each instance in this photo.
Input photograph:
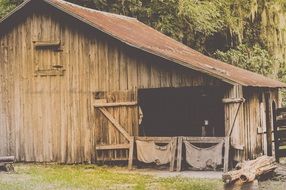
(149, 152)
(202, 158)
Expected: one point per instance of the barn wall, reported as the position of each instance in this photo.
(237, 122)
(248, 138)
(253, 123)
(256, 120)
(51, 118)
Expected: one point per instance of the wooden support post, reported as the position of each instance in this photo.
(173, 152)
(179, 154)
(131, 153)
(226, 153)
(232, 100)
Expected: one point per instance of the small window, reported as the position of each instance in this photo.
(47, 58)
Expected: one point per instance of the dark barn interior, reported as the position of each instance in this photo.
(195, 111)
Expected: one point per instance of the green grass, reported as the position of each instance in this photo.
(86, 177)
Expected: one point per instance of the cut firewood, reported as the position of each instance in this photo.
(249, 170)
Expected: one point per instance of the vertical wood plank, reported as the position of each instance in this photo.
(226, 154)
(173, 153)
(131, 153)
(179, 153)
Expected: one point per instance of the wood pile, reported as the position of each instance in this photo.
(248, 171)
(6, 163)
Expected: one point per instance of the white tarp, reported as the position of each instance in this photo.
(149, 152)
(202, 158)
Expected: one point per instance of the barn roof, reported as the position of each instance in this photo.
(138, 35)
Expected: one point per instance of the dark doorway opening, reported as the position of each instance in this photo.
(195, 111)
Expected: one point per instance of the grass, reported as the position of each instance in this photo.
(86, 177)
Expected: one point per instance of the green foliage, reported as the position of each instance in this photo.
(205, 17)
(254, 58)
(7, 5)
(189, 21)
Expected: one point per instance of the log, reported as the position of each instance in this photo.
(248, 171)
(7, 167)
(7, 159)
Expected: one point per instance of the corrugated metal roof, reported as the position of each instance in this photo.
(138, 35)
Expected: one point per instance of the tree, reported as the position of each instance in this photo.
(255, 59)
(7, 5)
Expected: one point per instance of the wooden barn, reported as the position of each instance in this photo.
(80, 86)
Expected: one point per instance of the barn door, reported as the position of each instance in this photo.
(116, 116)
(279, 131)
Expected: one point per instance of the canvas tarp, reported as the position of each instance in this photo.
(149, 152)
(202, 158)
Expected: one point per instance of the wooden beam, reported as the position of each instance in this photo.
(50, 72)
(280, 111)
(115, 123)
(114, 104)
(7, 159)
(173, 153)
(112, 147)
(204, 139)
(179, 153)
(281, 152)
(131, 153)
(155, 139)
(281, 143)
(226, 154)
(280, 122)
(46, 44)
(233, 100)
(104, 159)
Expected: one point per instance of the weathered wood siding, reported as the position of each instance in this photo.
(231, 120)
(51, 118)
(248, 138)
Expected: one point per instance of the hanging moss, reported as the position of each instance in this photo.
(273, 33)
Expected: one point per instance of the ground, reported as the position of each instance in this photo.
(83, 177)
